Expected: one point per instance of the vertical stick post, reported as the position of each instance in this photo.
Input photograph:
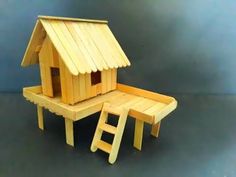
(40, 117)
(69, 132)
(138, 134)
(155, 129)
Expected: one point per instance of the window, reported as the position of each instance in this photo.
(55, 72)
(95, 78)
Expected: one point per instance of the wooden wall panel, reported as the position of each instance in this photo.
(45, 72)
(82, 86)
(88, 86)
(109, 80)
(73, 88)
(108, 75)
(67, 87)
(55, 56)
(104, 81)
(43, 80)
(76, 88)
(48, 81)
(63, 82)
(48, 58)
(113, 79)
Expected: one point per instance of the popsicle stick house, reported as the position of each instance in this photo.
(78, 60)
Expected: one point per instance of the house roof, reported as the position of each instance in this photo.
(84, 45)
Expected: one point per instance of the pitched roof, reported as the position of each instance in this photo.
(84, 45)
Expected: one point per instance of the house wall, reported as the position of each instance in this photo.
(73, 88)
(78, 88)
(109, 80)
(48, 58)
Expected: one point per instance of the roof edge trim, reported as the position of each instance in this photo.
(72, 19)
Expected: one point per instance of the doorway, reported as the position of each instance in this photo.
(56, 82)
(96, 82)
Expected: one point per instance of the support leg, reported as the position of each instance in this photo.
(155, 129)
(40, 117)
(69, 132)
(138, 134)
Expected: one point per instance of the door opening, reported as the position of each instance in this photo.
(56, 82)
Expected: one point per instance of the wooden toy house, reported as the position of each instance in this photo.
(78, 60)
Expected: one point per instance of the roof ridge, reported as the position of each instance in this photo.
(71, 19)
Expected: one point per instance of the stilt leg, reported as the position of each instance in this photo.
(138, 134)
(155, 129)
(40, 117)
(69, 132)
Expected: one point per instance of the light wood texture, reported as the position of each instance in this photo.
(67, 85)
(111, 46)
(69, 132)
(143, 109)
(40, 117)
(118, 136)
(71, 53)
(72, 19)
(98, 133)
(138, 134)
(115, 44)
(163, 106)
(88, 86)
(144, 93)
(82, 87)
(99, 43)
(60, 47)
(79, 40)
(109, 128)
(93, 105)
(85, 38)
(113, 148)
(104, 81)
(155, 129)
(85, 46)
(87, 59)
(46, 79)
(113, 79)
(104, 146)
(36, 39)
(109, 80)
(46, 61)
(48, 53)
(43, 78)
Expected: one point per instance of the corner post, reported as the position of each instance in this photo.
(69, 131)
(40, 117)
(156, 129)
(138, 134)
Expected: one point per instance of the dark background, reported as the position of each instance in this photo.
(186, 48)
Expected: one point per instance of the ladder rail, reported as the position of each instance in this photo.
(118, 136)
(111, 149)
(98, 132)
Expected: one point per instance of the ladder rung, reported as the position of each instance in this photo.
(104, 146)
(112, 110)
(108, 128)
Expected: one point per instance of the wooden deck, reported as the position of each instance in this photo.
(147, 107)
(144, 106)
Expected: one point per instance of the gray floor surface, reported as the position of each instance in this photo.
(197, 140)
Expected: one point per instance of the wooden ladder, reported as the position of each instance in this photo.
(97, 143)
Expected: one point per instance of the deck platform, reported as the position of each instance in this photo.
(144, 106)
